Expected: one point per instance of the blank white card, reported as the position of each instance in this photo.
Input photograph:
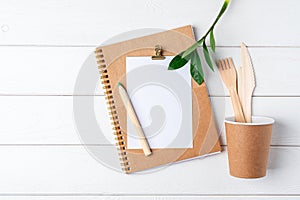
(162, 100)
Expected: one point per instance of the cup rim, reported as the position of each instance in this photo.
(258, 121)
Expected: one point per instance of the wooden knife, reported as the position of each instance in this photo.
(246, 83)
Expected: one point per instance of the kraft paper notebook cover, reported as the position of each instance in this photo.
(111, 61)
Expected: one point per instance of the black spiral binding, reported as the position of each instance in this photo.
(119, 136)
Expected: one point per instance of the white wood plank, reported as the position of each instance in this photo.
(72, 170)
(54, 120)
(90, 23)
(58, 71)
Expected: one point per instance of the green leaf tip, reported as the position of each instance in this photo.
(212, 41)
(192, 48)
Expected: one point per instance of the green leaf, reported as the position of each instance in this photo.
(196, 68)
(212, 41)
(192, 48)
(198, 43)
(178, 62)
(207, 56)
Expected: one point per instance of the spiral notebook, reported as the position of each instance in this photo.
(111, 61)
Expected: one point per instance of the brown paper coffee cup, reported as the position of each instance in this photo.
(248, 146)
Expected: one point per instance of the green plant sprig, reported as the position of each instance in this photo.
(192, 54)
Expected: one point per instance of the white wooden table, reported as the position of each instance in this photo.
(42, 47)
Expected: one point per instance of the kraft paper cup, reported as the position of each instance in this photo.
(248, 146)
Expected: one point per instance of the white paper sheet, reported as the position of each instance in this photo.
(162, 100)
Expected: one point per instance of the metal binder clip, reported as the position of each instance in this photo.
(158, 53)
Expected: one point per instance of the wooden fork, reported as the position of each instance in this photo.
(228, 75)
